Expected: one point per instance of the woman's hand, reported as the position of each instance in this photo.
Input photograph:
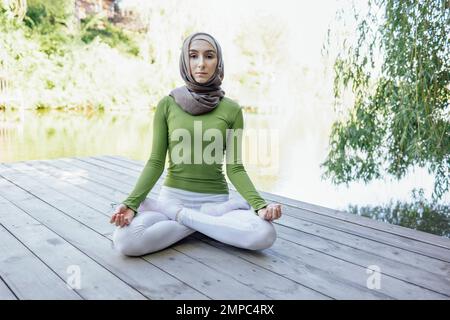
(122, 215)
(271, 212)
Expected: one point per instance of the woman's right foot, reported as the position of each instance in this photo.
(218, 209)
(167, 208)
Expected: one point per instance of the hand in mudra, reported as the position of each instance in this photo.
(122, 215)
(271, 212)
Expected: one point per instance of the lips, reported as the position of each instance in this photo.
(201, 73)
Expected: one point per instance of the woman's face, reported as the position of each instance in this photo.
(202, 60)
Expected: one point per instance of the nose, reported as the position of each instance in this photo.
(201, 61)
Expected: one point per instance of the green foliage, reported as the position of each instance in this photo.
(93, 27)
(48, 65)
(35, 15)
(400, 116)
(46, 15)
(420, 214)
(48, 12)
(48, 23)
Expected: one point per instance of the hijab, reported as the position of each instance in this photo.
(199, 98)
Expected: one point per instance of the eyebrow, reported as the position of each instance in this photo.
(193, 50)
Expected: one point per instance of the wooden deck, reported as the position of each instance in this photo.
(54, 218)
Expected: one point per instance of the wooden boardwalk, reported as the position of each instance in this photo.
(54, 226)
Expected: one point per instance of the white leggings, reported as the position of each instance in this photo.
(152, 231)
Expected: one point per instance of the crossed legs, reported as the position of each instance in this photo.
(152, 230)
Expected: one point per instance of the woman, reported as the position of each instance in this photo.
(195, 195)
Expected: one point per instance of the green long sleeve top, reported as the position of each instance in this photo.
(172, 129)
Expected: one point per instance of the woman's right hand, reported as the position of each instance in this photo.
(122, 215)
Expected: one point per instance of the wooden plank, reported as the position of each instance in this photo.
(116, 168)
(181, 269)
(297, 292)
(87, 171)
(121, 177)
(359, 230)
(116, 177)
(404, 288)
(391, 252)
(253, 275)
(62, 202)
(204, 275)
(218, 284)
(151, 281)
(90, 182)
(383, 248)
(394, 229)
(5, 292)
(438, 283)
(400, 270)
(215, 283)
(368, 245)
(335, 285)
(418, 247)
(26, 275)
(294, 264)
(95, 281)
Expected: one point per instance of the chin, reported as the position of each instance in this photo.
(201, 80)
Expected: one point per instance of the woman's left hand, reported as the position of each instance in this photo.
(271, 212)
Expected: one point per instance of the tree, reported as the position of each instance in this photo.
(398, 71)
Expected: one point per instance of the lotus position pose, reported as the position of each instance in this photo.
(196, 125)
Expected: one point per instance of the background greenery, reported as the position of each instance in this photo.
(394, 69)
(398, 70)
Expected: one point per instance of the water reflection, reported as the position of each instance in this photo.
(292, 169)
(418, 214)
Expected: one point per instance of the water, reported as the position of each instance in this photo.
(290, 169)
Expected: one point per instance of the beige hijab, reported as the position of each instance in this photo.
(199, 98)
